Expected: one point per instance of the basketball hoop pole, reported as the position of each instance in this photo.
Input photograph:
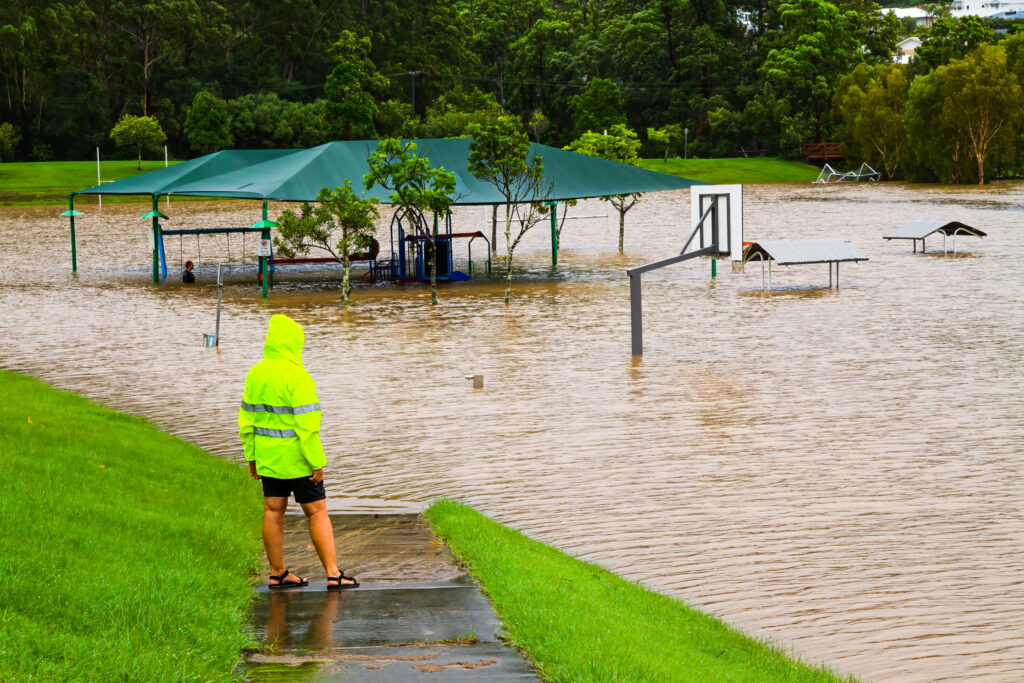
(635, 274)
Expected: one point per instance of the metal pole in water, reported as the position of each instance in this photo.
(837, 274)
(554, 232)
(156, 241)
(99, 178)
(769, 275)
(71, 217)
(714, 268)
(636, 317)
(220, 285)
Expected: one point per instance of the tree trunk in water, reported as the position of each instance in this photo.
(508, 258)
(981, 169)
(494, 229)
(344, 279)
(622, 226)
(433, 271)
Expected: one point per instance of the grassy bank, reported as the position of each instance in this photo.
(127, 553)
(745, 171)
(579, 622)
(49, 182)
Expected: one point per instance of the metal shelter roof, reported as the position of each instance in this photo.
(793, 252)
(298, 175)
(918, 230)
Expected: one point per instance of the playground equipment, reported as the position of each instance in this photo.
(410, 262)
(800, 252)
(719, 225)
(919, 230)
(830, 175)
(298, 175)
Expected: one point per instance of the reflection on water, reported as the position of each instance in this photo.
(835, 470)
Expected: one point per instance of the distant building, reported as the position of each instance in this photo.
(905, 49)
(1013, 9)
(921, 18)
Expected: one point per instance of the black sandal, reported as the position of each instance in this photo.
(339, 578)
(281, 583)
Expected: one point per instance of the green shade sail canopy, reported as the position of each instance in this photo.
(298, 175)
(163, 180)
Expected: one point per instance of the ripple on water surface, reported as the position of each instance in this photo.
(837, 471)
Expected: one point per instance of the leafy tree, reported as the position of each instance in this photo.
(620, 145)
(950, 38)
(8, 141)
(416, 189)
(446, 119)
(870, 103)
(395, 118)
(815, 46)
(983, 98)
(538, 124)
(338, 214)
(658, 137)
(207, 123)
(598, 107)
(499, 155)
(141, 132)
(350, 109)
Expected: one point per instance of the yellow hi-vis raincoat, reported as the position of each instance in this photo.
(279, 421)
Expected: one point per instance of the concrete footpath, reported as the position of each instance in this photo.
(416, 615)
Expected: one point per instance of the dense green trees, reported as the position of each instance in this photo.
(952, 124)
(744, 76)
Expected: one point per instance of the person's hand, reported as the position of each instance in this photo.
(252, 470)
(318, 476)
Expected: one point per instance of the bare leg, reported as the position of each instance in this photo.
(273, 536)
(322, 534)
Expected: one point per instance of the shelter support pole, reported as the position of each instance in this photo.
(156, 241)
(714, 268)
(74, 249)
(554, 233)
(830, 275)
(944, 250)
(837, 274)
(264, 270)
(636, 316)
(769, 275)
(922, 245)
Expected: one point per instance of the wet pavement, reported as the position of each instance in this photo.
(417, 612)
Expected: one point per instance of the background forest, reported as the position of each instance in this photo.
(743, 77)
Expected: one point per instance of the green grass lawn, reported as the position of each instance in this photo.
(48, 182)
(128, 554)
(744, 171)
(579, 622)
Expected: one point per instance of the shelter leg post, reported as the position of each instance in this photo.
(714, 268)
(837, 274)
(554, 233)
(830, 275)
(762, 275)
(264, 266)
(636, 316)
(954, 242)
(769, 276)
(922, 245)
(156, 242)
(71, 217)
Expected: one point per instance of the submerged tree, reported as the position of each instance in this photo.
(339, 214)
(141, 132)
(416, 189)
(499, 155)
(621, 145)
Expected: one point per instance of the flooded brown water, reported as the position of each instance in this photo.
(839, 472)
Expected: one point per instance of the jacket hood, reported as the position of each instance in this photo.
(284, 339)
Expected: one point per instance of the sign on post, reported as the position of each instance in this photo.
(264, 249)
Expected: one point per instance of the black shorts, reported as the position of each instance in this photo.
(305, 490)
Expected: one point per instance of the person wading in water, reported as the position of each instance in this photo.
(279, 425)
(187, 276)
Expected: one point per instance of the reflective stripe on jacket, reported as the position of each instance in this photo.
(279, 419)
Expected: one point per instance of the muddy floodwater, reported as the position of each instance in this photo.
(837, 471)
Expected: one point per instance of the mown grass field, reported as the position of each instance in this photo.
(127, 553)
(579, 622)
(49, 182)
(744, 171)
